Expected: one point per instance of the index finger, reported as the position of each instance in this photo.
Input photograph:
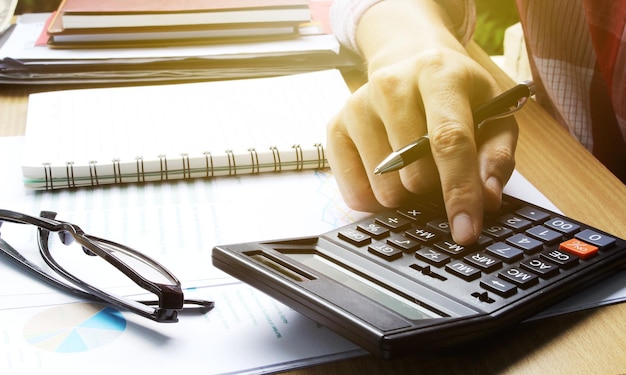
(453, 146)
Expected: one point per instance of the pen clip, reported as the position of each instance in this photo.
(520, 103)
(529, 85)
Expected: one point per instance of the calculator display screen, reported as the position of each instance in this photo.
(385, 297)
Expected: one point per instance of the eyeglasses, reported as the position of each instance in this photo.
(141, 269)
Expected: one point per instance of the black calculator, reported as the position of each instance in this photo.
(396, 283)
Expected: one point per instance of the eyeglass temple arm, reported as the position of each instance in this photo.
(48, 223)
(170, 295)
(45, 224)
(19, 218)
(164, 314)
(26, 265)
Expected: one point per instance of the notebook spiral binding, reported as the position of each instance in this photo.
(93, 172)
(232, 164)
(276, 154)
(186, 166)
(209, 168)
(163, 167)
(141, 173)
(321, 156)
(254, 160)
(117, 172)
(69, 168)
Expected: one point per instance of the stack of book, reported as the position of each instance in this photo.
(135, 23)
(26, 56)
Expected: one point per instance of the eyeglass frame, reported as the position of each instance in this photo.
(170, 297)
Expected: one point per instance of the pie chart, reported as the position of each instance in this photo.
(74, 328)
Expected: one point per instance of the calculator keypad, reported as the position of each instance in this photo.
(521, 247)
(397, 279)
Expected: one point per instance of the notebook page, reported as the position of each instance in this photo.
(238, 123)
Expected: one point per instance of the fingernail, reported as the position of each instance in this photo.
(463, 229)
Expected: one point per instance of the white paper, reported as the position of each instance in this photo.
(178, 224)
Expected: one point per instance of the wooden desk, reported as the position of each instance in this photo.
(591, 342)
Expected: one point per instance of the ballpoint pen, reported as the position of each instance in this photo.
(501, 106)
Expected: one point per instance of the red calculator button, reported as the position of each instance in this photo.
(578, 247)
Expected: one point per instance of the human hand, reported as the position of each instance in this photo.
(431, 92)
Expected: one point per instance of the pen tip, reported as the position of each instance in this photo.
(378, 171)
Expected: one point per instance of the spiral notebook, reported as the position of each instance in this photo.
(90, 137)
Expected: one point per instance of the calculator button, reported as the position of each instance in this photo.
(595, 238)
(533, 214)
(497, 231)
(504, 251)
(515, 222)
(498, 286)
(416, 214)
(423, 235)
(440, 225)
(393, 222)
(463, 270)
(563, 259)
(528, 244)
(354, 237)
(544, 234)
(518, 276)
(432, 256)
(450, 247)
(544, 269)
(480, 243)
(405, 244)
(384, 251)
(484, 262)
(377, 231)
(578, 247)
(562, 225)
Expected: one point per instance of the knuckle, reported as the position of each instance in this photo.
(367, 200)
(437, 64)
(385, 82)
(356, 204)
(334, 127)
(432, 58)
(390, 193)
(450, 137)
(503, 157)
(384, 77)
(460, 191)
(391, 198)
(421, 177)
(354, 103)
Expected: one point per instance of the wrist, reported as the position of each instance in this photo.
(393, 30)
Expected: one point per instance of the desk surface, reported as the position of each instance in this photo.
(580, 343)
